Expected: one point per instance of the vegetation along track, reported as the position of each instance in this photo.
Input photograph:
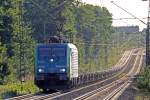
(124, 61)
(113, 90)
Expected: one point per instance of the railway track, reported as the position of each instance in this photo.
(113, 90)
(83, 90)
(21, 97)
(42, 97)
(38, 96)
(136, 69)
(73, 94)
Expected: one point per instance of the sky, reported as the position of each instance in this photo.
(138, 8)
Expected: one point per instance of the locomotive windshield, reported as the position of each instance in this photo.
(44, 52)
(52, 56)
(60, 52)
(51, 52)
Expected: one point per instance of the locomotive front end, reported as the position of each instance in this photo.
(51, 67)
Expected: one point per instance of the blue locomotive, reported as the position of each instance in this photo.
(56, 64)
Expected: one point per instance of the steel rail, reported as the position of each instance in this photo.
(42, 97)
(135, 72)
(124, 85)
(38, 96)
(21, 97)
(95, 84)
(99, 90)
(119, 90)
(136, 68)
(109, 86)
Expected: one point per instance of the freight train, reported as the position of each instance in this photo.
(56, 67)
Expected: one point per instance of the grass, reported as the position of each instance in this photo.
(142, 96)
(15, 89)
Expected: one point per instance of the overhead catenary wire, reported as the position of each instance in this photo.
(100, 44)
(126, 18)
(125, 22)
(96, 44)
(129, 13)
(47, 12)
(51, 17)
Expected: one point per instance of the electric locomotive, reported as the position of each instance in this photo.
(56, 64)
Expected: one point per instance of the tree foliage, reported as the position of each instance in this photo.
(22, 41)
(25, 21)
(16, 38)
(4, 65)
(5, 40)
(143, 81)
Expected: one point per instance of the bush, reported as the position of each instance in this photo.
(143, 81)
(15, 89)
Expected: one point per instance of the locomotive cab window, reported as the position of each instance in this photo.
(44, 52)
(59, 52)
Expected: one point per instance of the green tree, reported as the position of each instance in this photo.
(143, 81)
(5, 40)
(4, 66)
(93, 23)
(50, 17)
(22, 41)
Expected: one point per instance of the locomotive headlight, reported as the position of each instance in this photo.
(51, 60)
(62, 70)
(41, 70)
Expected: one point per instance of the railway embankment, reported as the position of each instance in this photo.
(140, 88)
(134, 93)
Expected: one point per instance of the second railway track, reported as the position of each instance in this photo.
(113, 90)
